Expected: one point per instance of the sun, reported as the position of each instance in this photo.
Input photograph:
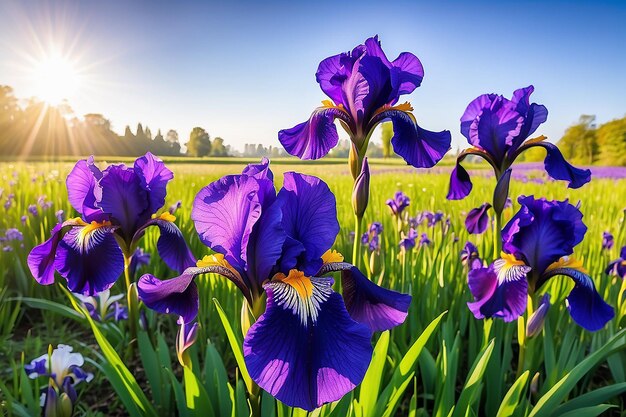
(55, 79)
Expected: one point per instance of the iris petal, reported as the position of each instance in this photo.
(559, 169)
(477, 219)
(460, 183)
(153, 176)
(41, 258)
(224, 213)
(92, 266)
(314, 138)
(173, 296)
(534, 114)
(81, 185)
(172, 246)
(306, 365)
(419, 147)
(377, 307)
(309, 217)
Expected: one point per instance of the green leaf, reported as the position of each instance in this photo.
(390, 396)
(54, 307)
(125, 383)
(150, 362)
(373, 377)
(593, 411)
(471, 391)
(196, 396)
(235, 345)
(183, 411)
(592, 398)
(513, 397)
(550, 400)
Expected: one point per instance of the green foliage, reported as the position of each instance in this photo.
(386, 134)
(199, 143)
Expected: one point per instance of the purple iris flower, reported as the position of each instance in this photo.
(364, 88)
(60, 215)
(399, 202)
(537, 244)
(607, 241)
(23, 219)
(104, 306)
(310, 346)
(424, 240)
(116, 207)
(32, 210)
(13, 234)
(618, 266)
(470, 256)
(408, 242)
(498, 129)
(477, 219)
(372, 236)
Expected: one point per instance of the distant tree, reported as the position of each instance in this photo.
(612, 142)
(199, 143)
(385, 135)
(173, 144)
(218, 148)
(579, 143)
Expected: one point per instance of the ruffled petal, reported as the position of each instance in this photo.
(314, 138)
(82, 183)
(477, 219)
(585, 305)
(266, 243)
(332, 72)
(499, 290)
(418, 147)
(124, 198)
(177, 296)
(224, 213)
(41, 258)
(559, 169)
(460, 183)
(305, 350)
(91, 262)
(153, 176)
(309, 217)
(534, 114)
(376, 307)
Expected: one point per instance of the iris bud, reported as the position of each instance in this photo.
(536, 320)
(361, 191)
(501, 192)
(50, 406)
(186, 337)
(376, 262)
(64, 406)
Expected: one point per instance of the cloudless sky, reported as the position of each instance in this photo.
(244, 70)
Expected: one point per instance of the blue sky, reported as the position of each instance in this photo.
(244, 70)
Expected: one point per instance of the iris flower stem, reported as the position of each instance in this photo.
(497, 245)
(133, 314)
(356, 249)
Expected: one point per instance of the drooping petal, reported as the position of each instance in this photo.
(499, 291)
(314, 138)
(91, 261)
(585, 305)
(172, 246)
(305, 350)
(153, 176)
(477, 219)
(376, 307)
(460, 183)
(124, 198)
(309, 217)
(419, 147)
(177, 295)
(41, 258)
(224, 213)
(559, 169)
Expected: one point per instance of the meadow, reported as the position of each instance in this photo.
(441, 362)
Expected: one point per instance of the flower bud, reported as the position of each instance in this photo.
(501, 192)
(246, 319)
(376, 262)
(536, 320)
(186, 337)
(534, 384)
(64, 406)
(361, 190)
(51, 402)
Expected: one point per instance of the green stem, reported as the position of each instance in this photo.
(497, 246)
(133, 307)
(356, 249)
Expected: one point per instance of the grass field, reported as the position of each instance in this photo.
(465, 367)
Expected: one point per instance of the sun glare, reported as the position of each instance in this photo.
(56, 79)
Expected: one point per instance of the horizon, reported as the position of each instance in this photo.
(244, 71)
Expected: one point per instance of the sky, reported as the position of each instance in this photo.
(245, 70)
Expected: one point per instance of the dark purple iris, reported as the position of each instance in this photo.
(470, 256)
(310, 346)
(398, 203)
(116, 206)
(408, 242)
(477, 220)
(618, 266)
(364, 88)
(607, 241)
(537, 244)
(498, 129)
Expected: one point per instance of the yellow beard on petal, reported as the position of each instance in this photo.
(167, 216)
(568, 262)
(301, 283)
(331, 256)
(87, 230)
